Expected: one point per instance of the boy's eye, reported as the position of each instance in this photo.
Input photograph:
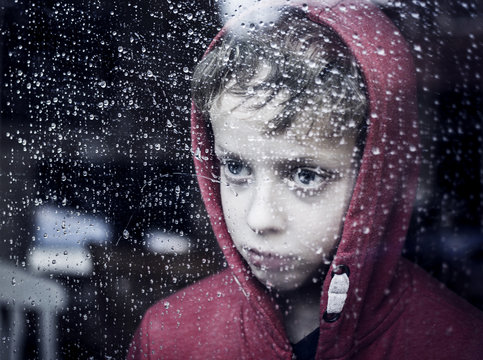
(236, 171)
(308, 178)
(236, 168)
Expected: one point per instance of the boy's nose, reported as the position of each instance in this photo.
(266, 213)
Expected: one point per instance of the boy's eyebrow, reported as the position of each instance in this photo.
(284, 162)
(220, 151)
(303, 160)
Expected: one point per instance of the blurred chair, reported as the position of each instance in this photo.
(20, 293)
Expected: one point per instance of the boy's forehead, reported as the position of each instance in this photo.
(255, 112)
(242, 131)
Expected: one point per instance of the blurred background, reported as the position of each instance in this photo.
(100, 214)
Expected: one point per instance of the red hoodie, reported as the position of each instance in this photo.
(393, 309)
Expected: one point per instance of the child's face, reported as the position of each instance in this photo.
(284, 196)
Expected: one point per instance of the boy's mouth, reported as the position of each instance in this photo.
(269, 261)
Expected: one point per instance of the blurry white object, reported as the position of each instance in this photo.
(61, 239)
(65, 226)
(21, 292)
(75, 261)
(166, 243)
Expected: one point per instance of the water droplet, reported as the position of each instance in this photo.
(375, 150)
(166, 305)
(198, 154)
(366, 230)
(125, 234)
(102, 84)
(14, 281)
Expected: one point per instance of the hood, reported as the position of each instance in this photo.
(380, 208)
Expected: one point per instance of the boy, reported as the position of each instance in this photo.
(305, 135)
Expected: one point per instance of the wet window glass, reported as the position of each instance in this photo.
(101, 212)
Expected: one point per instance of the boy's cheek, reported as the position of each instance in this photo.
(234, 205)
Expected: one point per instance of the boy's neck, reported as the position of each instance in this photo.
(301, 311)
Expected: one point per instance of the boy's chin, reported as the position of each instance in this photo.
(282, 282)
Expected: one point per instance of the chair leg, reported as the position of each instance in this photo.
(17, 333)
(48, 334)
(3, 334)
